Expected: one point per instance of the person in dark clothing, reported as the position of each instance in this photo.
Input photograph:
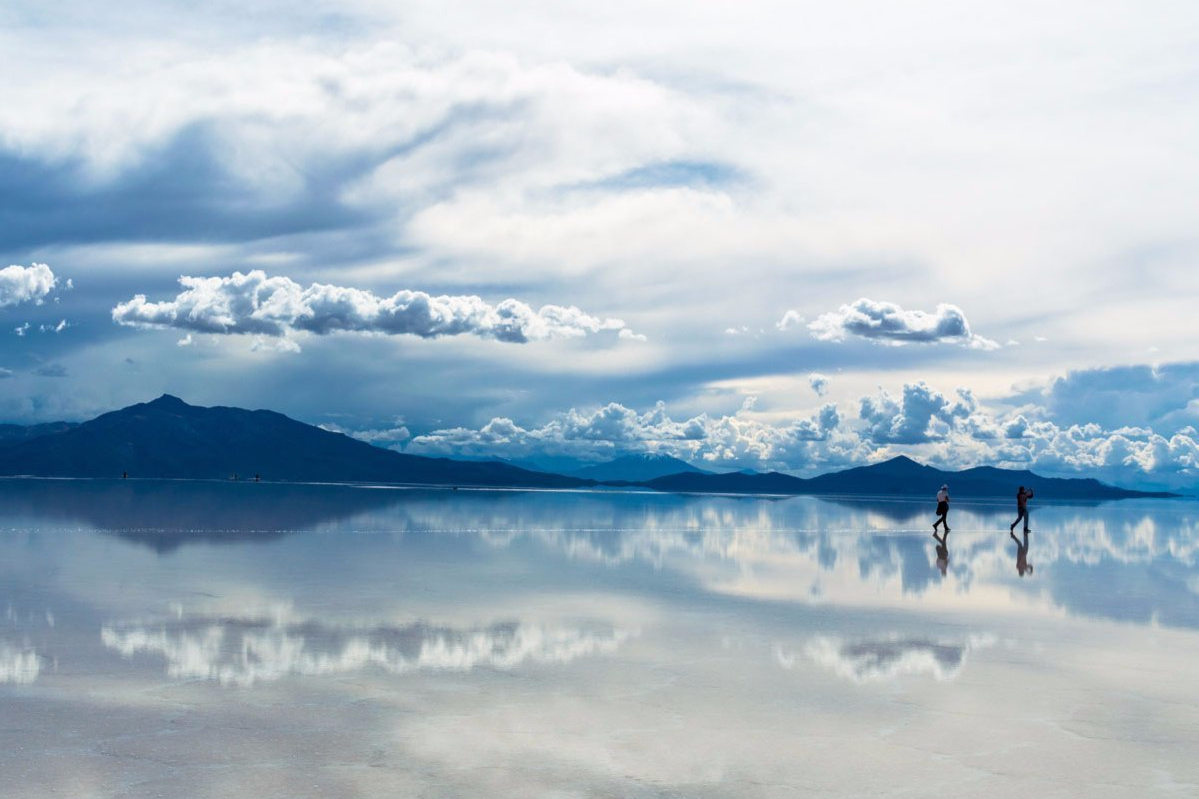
(942, 510)
(1023, 567)
(1022, 498)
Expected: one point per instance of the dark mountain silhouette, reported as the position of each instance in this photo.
(169, 438)
(636, 468)
(900, 476)
(20, 432)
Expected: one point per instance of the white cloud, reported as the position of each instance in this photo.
(54, 328)
(255, 304)
(888, 323)
(21, 330)
(380, 437)
(731, 441)
(20, 284)
(819, 383)
(921, 414)
(790, 319)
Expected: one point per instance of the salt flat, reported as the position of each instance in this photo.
(229, 640)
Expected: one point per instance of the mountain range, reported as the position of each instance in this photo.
(168, 438)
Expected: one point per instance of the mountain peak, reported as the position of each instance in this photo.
(168, 401)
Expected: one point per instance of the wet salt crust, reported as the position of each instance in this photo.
(213, 640)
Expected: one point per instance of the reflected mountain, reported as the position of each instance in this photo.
(165, 514)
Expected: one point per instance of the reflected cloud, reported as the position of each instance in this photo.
(244, 651)
(881, 660)
(20, 666)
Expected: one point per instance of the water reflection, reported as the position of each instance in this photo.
(801, 549)
(347, 641)
(1023, 566)
(242, 651)
(887, 659)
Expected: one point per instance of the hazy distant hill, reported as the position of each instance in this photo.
(20, 432)
(636, 468)
(169, 438)
(900, 476)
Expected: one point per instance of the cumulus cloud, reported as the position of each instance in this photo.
(880, 660)
(20, 284)
(888, 323)
(731, 440)
(919, 415)
(819, 383)
(952, 430)
(255, 304)
(242, 651)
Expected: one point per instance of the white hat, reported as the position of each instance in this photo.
(944, 488)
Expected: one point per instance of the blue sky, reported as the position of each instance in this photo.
(456, 228)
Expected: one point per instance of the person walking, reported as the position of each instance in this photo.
(1022, 498)
(942, 510)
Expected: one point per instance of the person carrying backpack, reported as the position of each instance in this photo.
(942, 509)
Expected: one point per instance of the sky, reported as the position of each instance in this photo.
(795, 236)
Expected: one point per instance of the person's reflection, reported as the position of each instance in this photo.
(1022, 565)
(942, 551)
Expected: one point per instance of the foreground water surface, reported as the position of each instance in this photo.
(230, 640)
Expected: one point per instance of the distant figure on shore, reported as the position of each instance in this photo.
(1022, 498)
(943, 551)
(942, 510)
(1022, 565)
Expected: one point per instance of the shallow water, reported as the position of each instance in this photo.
(229, 640)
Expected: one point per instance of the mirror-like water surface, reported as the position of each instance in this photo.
(228, 640)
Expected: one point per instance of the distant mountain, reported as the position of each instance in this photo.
(169, 438)
(636, 468)
(900, 476)
(20, 432)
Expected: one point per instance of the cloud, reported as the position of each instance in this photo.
(243, 651)
(819, 383)
(733, 440)
(255, 304)
(20, 284)
(5, 373)
(21, 330)
(381, 437)
(919, 415)
(51, 370)
(888, 323)
(790, 319)
(885, 659)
